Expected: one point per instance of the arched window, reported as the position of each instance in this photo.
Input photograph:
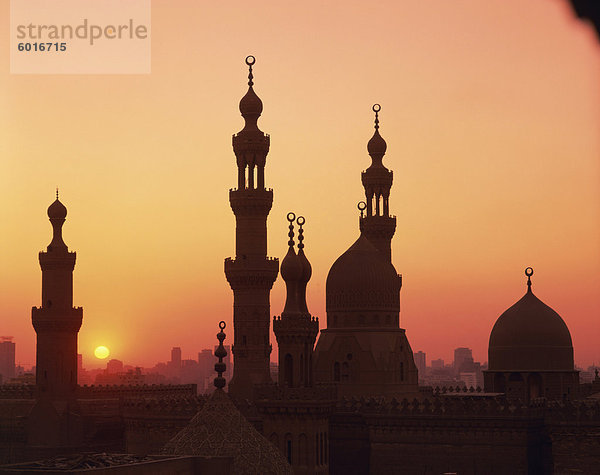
(336, 371)
(274, 439)
(301, 370)
(288, 447)
(288, 370)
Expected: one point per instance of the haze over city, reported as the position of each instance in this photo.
(494, 169)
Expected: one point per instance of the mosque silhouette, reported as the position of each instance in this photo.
(347, 398)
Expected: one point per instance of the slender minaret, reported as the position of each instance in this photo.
(296, 330)
(378, 226)
(56, 324)
(251, 274)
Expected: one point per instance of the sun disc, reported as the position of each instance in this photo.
(101, 352)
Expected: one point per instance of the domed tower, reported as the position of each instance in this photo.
(56, 324)
(363, 350)
(530, 352)
(251, 274)
(378, 226)
(295, 413)
(295, 330)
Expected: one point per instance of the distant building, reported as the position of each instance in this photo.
(461, 356)
(7, 358)
(437, 364)
(176, 357)
(114, 366)
(421, 363)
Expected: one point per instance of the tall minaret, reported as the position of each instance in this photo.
(56, 324)
(251, 274)
(378, 226)
(296, 330)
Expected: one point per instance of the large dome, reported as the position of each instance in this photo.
(361, 280)
(530, 336)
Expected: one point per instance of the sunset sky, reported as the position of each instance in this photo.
(491, 113)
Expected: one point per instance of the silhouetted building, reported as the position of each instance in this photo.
(420, 363)
(296, 330)
(251, 274)
(55, 419)
(437, 364)
(363, 350)
(462, 356)
(114, 366)
(7, 359)
(530, 352)
(296, 413)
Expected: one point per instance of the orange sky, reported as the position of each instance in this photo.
(490, 111)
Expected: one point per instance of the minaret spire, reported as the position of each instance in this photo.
(529, 273)
(378, 226)
(220, 353)
(296, 330)
(251, 274)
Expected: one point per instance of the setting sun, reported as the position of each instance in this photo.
(101, 352)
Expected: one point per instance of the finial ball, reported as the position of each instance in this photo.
(301, 220)
(222, 325)
(529, 271)
(362, 205)
(291, 217)
(250, 60)
(376, 107)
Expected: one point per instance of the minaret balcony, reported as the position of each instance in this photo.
(57, 319)
(247, 272)
(251, 202)
(50, 260)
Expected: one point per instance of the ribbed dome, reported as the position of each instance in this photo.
(219, 429)
(362, 280)
(530, 336)
(57, 210)
(376, 146)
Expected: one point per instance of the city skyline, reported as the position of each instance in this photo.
(142, 191)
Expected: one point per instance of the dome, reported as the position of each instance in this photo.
(57, 210)
(362, 280)
(250, 104)
(377, 145)
(219, 429)
(291, 267)
(530, 336)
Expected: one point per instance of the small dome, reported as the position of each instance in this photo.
(250, 104)
(361, 279)
(291, 266)
(530, 336)
(376, 146)
(57, 210)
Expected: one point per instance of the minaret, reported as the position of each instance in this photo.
(56, 324)
(296, 330)
(251, 274)
(378, 226)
